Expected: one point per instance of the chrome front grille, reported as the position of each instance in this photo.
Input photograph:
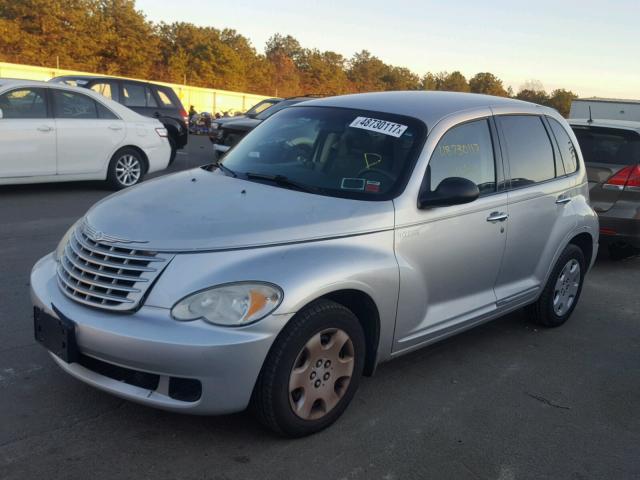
(107, 276)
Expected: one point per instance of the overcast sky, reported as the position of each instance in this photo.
(590, 47)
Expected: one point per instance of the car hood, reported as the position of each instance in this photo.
(243, 124)
(202, 210)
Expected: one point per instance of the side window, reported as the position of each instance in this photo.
(165, 98)
(106, 89)
(136, 95)
(528, 149)
(24, 103)
(151, 101)
(465, 151)
(567, 150)
(105, 113)
(73, 105)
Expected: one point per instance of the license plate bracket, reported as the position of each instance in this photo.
(58, 335)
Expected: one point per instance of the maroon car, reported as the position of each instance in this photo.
(611, 150)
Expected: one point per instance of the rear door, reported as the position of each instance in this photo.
(88, 132)
(139, 98)
(606, 152)
(540, 209)
(27, 134)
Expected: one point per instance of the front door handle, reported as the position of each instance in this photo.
(562, 199)
(497, 217)
(44, 128)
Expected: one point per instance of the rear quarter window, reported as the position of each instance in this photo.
(567, 149)
(166, 98)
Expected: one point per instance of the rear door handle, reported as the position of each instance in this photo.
(44, 128)
(562, 199)
(115, 127)
(497, 217)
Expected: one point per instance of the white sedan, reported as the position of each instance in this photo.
(51, 132)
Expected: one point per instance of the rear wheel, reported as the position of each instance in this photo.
(127, 167)
(562, 291)
(312, 371)
(174, 150)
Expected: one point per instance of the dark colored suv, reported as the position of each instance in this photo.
(227, 133)
(611, 150)
(148, 99)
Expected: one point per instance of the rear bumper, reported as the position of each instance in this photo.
(621, 224)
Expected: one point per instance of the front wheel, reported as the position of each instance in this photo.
(312, 371)
(127, 167)
(562, 291)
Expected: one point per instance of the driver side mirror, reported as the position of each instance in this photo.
(451, 191)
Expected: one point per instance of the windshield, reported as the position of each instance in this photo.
(261, 107)
(266, 113)
(332, 151)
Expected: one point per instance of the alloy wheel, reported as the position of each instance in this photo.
(566, 288)
(128, 170)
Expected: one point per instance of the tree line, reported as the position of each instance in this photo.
(113, 37)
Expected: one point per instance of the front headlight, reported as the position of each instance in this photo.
(214, 126)
(63, 242)
(234, 304)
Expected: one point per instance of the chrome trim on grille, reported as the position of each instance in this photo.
(109, 276)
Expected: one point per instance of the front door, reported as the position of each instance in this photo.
(27, 134)
(450, 256)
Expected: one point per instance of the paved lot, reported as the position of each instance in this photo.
(504, 401)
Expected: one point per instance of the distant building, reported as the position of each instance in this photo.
(606, 108)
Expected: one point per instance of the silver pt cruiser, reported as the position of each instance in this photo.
(339, 234)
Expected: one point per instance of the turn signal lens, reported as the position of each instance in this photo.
(234, 304)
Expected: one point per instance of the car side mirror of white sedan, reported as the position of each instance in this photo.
(0, 114)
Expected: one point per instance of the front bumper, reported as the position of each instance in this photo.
(226, 361)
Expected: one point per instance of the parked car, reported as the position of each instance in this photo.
(251, 113)
(227, 133)
(339, 234)
(611, 150)
(148, 99)
(52, 132)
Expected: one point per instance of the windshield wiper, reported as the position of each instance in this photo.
(280, 180)
(224, 169)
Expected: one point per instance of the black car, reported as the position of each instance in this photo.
(228, 133)
(148, 99)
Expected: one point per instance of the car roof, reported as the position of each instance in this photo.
(428, 106)
(124, 112)
(98, 77)
(605, 123)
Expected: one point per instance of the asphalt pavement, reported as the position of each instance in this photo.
(505, 401)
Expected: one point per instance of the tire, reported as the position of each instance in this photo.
(126, 158)
(174, 150)
(299, 411)
(561, 294)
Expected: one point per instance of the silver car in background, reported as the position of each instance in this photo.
(339, 234)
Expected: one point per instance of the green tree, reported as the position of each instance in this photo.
(488, 84)
(400, 78)
(536, 96)
(561, 99)
(283, 52)
(366, 72)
